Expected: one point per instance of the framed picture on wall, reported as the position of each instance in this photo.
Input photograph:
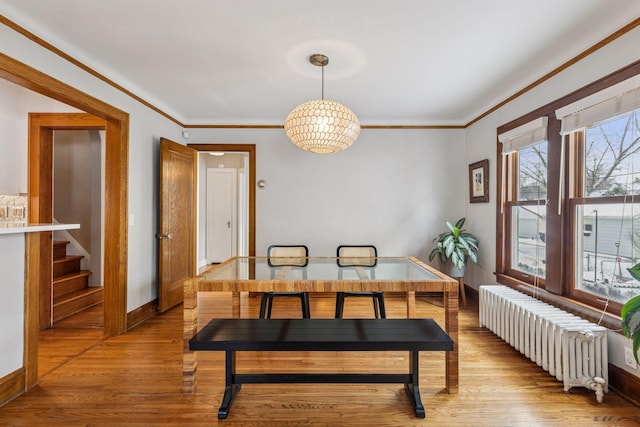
(479, 181)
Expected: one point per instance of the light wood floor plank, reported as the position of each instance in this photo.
(135, 380)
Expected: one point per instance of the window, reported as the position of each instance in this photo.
(529, 215)
(608, 203)
(525, 151)
(569, 214)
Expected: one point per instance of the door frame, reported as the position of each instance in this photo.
(115, 220)
(251, 150)
(40, 188)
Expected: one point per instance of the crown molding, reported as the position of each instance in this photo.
(26, 33)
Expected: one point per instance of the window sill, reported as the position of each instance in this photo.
(609, 321)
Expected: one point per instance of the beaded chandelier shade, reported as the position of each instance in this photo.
(322, 126)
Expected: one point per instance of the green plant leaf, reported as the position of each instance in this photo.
(635, 272)
(464, 243)
(470, 239)
(631, 324)
(630, 314)
(457, 260)
(632, 305)
(449, 245)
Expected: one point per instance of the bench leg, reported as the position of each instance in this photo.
(413, 389)
(231, 389)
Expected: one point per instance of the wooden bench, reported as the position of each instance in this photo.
(232, 335)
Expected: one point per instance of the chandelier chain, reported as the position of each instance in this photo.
(322, 82)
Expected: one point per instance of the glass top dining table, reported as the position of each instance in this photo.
(322, 268)
(321, 274)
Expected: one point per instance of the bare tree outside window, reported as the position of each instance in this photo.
(532, 179)
(612, 166)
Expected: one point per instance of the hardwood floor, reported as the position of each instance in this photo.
(70, 337)
(135, 380)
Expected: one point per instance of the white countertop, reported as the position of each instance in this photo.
(17, 227)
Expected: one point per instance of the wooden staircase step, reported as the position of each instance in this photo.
(72, 282)
(74, 302)
(71, 291)
(66, 265)
(60, 249)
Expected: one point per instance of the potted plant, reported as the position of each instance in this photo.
(455, 246)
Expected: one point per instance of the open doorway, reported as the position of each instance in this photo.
(78, 198)
(67, 156)
(65, 169)
(223, 206)
(241, 159)
(178, 214)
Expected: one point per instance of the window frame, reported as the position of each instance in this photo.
(576, 197)
(511, 202)
(558, 287)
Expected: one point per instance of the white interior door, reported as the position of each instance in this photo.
(222, 202)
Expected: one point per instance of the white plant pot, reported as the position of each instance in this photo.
(451, 270)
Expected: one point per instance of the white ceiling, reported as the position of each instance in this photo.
(400, 62)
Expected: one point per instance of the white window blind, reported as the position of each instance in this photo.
(524, 135)
(613, 101)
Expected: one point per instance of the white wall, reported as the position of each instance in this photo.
(12, 248)
(15, 105)
(146, 128)
(392, 188)
(481, 143)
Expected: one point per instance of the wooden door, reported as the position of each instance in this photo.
(222, 215)
(177, 221)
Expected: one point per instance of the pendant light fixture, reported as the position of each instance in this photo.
(322, 126)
